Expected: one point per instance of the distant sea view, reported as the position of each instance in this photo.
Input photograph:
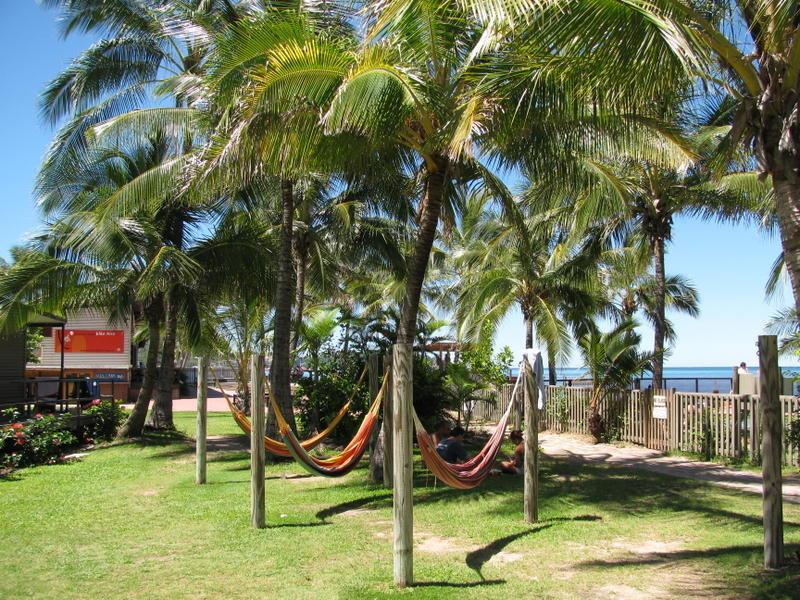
(686, 379)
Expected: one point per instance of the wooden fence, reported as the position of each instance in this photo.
(713, 425)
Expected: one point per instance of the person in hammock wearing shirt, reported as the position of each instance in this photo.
(451, 449)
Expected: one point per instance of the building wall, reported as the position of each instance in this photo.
(92, 320)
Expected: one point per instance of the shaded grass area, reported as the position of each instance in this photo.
(128, 521)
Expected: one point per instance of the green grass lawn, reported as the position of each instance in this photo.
(129, 522)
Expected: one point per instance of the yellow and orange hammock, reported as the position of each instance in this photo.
(279, 448)
(470, 474)
(342, 463)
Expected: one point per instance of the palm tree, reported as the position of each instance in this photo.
(149, 51)
(523, 263)
(399, 93)
(636, 202)
(613, 360)
(746, 50)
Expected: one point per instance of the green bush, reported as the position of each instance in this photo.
(328, 391)
(106, 417)
(37, 441)
(793, 434)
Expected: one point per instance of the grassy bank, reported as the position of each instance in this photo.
(128, 521)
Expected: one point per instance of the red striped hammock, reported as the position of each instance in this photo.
(342, 463)
(470, 474)
(279, 448)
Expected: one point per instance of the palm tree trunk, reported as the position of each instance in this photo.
(551, 366)
(528, 333)
(300, 256)
(134, 424)
(787, 200)
(161, 415)
(429, 220)
(660, 315)
(280, 372)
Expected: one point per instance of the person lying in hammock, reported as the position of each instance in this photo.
(451, 449)
(515, 465)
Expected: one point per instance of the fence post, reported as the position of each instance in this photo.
(257, 450)
(386, 429)
(737, 426)
(531, 480)
(755, 423)
(647, 415)
(772, 449)
(202, 420)
(403, 498)
(735, 381)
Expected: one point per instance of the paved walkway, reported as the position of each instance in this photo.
(579, 449)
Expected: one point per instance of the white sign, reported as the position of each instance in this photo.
(659, 407)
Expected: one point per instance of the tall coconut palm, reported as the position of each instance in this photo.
(523, 264)
(748, 50)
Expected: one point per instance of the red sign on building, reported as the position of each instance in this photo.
(91, 340)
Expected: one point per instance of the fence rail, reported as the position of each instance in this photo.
(713, 425)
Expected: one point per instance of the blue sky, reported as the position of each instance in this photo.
(728, 264)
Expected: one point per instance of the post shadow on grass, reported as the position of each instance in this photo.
(478, 558)
(379, 501)
(459, 584)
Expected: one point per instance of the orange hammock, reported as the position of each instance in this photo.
(469, 474)
(347, 459)
(279, 448)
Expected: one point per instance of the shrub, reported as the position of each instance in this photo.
(106, 417)
(793, 434)
(333, 384)
(40, 440)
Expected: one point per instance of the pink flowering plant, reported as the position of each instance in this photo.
(39, 440)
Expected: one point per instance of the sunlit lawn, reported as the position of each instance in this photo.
(129, 522)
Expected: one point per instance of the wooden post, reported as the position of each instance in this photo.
(257, 450)
(735, 381)
(647, 417)
(531, 477)
(736, 440)
(402, 427)
(771, 450)
(202, 420)
(518, 406)
(386, 431)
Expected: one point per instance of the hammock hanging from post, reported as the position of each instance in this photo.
(470, 474)
(342, 463)
(279, 448)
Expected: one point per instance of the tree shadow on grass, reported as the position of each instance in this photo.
(289, 525)
(779, 583)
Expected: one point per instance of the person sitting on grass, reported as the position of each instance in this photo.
(451, 448)
(515, 465)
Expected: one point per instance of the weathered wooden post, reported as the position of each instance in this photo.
(735, 381)
(386, 428)
(402, 428)
(202, 420)
(531, 477)
(771, 450)
(257, 450)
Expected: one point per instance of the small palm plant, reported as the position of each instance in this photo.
(465, 390)
(613, 359)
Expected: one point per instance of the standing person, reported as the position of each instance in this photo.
(452, 449)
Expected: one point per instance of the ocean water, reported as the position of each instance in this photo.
(684, 379)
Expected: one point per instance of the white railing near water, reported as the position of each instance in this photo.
(712, 425)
